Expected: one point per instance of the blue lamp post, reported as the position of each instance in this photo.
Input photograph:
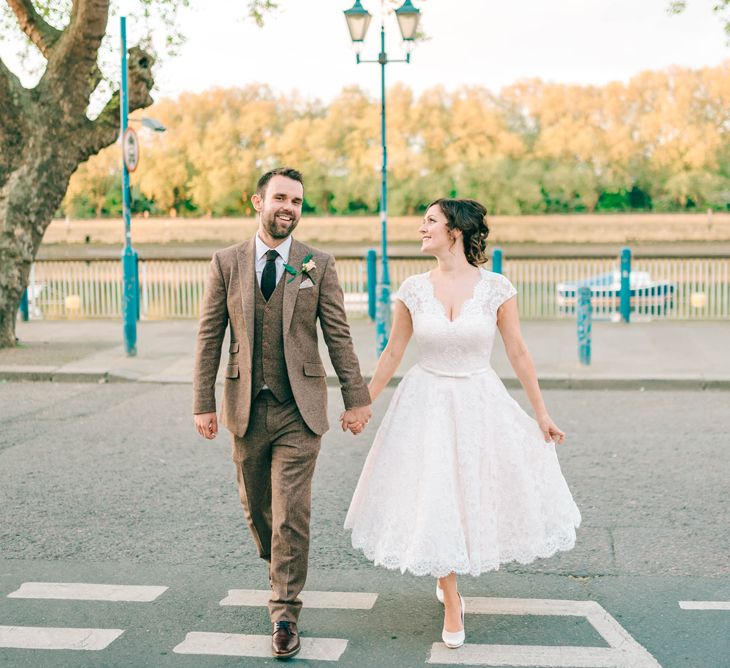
(358, 20)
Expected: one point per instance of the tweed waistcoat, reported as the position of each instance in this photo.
(269, 364)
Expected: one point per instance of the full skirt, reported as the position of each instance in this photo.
(459, 479)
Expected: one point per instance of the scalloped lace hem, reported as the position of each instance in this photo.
(440, 570)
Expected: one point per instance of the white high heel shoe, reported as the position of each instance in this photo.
(439, 593)
(455, 639)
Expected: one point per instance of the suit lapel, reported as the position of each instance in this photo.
(291, 288)
(247, 272)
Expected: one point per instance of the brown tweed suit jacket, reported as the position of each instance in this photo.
(229, 300)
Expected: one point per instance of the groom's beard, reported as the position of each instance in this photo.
(275, 226)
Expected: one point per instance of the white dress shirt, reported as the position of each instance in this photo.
(261, 249)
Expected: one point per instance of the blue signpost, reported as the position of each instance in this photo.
(130, 307)
(358, 20)
(584, 312)
(625, 290)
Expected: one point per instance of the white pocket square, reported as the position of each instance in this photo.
(306, 283)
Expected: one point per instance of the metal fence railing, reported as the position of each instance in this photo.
(671, 288)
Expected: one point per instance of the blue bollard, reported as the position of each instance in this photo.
(24, 306)
(372, 257)
(129, 300)
(497, 260)
(625, 292)
(584, 317)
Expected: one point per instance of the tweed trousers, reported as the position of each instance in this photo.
(279, 454)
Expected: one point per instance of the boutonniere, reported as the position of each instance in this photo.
(308, 265)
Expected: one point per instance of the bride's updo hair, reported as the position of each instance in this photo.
(470, 217)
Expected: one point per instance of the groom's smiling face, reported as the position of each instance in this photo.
(280, 206)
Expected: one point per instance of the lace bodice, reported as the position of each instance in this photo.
(464, 345)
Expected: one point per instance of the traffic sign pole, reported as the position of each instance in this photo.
(130, 290)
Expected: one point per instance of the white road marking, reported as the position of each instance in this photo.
(45, 637)
(623, 650)
(340, 600)
(83, 591)
(232, 644)
(704, 605)
(525, 655)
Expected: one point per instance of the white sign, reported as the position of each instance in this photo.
(130, 149)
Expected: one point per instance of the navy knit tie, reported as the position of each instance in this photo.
(268, 276)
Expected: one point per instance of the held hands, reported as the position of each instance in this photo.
(550, 431)
(356, 419)
(206, 424)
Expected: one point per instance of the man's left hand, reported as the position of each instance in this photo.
(356, 419)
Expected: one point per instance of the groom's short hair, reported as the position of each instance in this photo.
(289, 172)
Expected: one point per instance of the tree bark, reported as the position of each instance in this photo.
(45, 135)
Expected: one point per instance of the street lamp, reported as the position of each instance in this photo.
(152, 124)
(358, 20)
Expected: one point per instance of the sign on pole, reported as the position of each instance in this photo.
(130, 149)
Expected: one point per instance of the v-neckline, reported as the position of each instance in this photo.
(444, 312)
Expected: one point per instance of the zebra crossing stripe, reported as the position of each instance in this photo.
(333, 600)
(232, 644)
(704, 605)
(622, 651)
(46, 637)
(83, 591)
(522, 655)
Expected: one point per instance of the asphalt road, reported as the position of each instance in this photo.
(110, 484)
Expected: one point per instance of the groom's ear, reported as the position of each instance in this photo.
(257, 202)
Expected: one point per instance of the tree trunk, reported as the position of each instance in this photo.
(28, 199)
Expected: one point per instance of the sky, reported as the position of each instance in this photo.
(305, 45)
(493, 43)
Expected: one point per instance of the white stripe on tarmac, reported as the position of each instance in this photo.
(530, 606)
(83, 591)
(704, 605)
(623, 650)
(523, 655)
(340, 600)
(44, 637)
(232, 644)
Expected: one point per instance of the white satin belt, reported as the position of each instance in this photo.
(455, 374)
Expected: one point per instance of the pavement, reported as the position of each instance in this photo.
(660, 354)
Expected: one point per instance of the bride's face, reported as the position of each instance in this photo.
(435, 236)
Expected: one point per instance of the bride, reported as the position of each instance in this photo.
(459, 478)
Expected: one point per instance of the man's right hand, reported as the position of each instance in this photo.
(206, 424)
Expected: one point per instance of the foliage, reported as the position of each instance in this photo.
(660, 141)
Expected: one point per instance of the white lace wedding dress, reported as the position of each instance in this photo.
(459, 477)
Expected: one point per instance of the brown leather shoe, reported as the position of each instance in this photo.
(285, 640)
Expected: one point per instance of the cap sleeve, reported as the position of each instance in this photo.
(506, 291)
(406, 294)
(499, 291)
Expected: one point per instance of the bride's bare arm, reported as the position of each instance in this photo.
(400, 335)
(508, 322)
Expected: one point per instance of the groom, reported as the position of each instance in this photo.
(270, 291)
